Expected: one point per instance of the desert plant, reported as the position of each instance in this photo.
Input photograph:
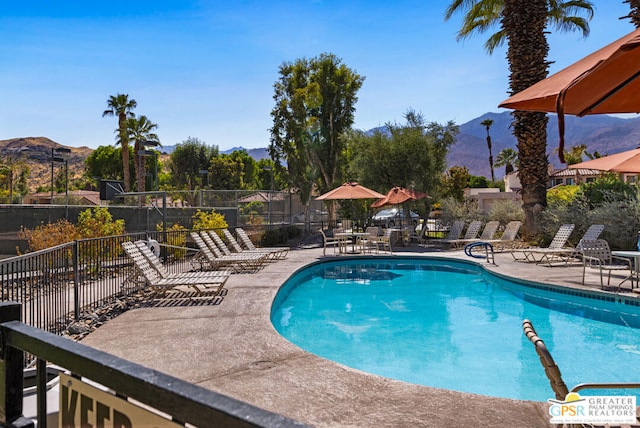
(466, 210)
(506, 210)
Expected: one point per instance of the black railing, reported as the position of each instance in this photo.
(181, 402)
(60, 285)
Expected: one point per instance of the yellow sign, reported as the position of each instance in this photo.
(84, 405)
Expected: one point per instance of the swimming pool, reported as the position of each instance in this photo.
(451, 324)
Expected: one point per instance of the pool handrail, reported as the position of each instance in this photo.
(553, 371)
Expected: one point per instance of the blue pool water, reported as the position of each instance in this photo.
(452, 325)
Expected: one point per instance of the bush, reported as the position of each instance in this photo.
(453, 210)
(175, 239)
(506, 210)
(607, 188)
(49, 235)
(97, 222)
(206, 221)
(279, 236)
(563, 194)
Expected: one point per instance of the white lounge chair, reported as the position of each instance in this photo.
(556, 251)
(161, 286)
(281, 252)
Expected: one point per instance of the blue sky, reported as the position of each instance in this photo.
(206, 69)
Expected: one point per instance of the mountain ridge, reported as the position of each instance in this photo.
(602, 133)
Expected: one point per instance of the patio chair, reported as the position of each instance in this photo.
(454, 233)
(161, 286)
(556, 251)
(281, 252)
(370, 241)
(210, 261)
(384, 242)
(552, 370)
(596, 254)
(593, 232)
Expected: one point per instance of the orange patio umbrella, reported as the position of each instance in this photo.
(398, 195)
(605, 82)
(350, 190)
(628, 161)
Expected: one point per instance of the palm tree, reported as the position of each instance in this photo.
(120, 105)
(140, 130)
(634, 15)
(523, 24)
(487, 124)
(508, 158)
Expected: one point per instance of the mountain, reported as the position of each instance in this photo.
(601, 133)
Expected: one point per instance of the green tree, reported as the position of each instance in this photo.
(188, 160)
(120, 105)
(508, 158)
(227, 172)
(455, 181)
(523, 24)
(314, 105)
(249, 168)
(140, 130)
(412, 155)
(106, 162)
(13, 176)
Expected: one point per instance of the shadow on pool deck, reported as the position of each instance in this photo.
(232, 348)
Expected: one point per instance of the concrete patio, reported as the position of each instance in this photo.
(232, 348)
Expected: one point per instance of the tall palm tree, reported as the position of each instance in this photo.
(487, 124)
(523, 24)
(634, 15)
(140, 130)
(120, 105)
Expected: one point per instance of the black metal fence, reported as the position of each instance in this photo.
(180, 402)
(60, 285)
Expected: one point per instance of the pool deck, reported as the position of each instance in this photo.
(233, 349)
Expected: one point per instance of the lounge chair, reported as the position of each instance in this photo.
(553, 372)
(210, 261)
(509, 238)
(269, 256)
(470, 235)
(237, 248)
(281, 252)
(596, 254)
(556, 251)
(593, 232)
(454, 233)
(155, 263)
(161, 286)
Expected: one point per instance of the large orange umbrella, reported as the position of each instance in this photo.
(601, 83)
(350, 190)
(628, 162)
(398, 195)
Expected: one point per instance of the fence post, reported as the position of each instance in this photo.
(11, 376)
(76, 280)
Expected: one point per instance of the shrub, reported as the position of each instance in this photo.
(607, 188)
(506, 210)
(49, 235)
(279, 236)
(208, 220)
(97, 222)
(467, 210)
(563, 194)
(175, 238)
